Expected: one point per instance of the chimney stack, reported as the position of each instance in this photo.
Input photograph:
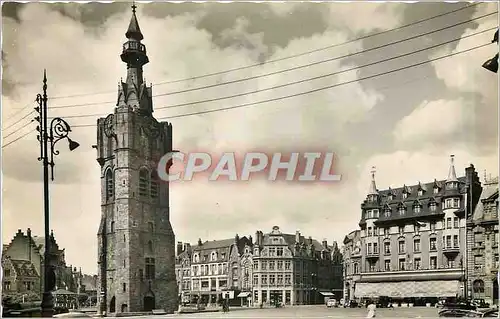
(199, 242)
(29, 243)
(179, 248)
(250, 239)
(297, 236)
(236, 239)
(325, 243)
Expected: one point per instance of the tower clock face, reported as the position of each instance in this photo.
(109, 126)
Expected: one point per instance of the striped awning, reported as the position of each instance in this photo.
(408, 289)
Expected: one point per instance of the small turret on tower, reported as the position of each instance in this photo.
(372, 191)
(452, 174)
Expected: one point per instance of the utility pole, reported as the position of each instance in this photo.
(48, 137)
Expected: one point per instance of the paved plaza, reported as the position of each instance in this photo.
(313, 312)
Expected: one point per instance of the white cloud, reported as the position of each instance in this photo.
(435, 120)
(410, 167)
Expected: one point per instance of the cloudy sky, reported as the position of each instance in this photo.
(405, 123)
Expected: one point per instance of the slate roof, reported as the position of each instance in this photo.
(214, 244)
(489, 190)
(424, 200)
(24, 268)
(133, 31)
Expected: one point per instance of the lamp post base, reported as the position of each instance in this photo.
(47, 305)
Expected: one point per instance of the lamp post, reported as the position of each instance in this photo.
(48, 137)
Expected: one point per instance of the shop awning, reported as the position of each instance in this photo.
(326, 293)
(408, 289)
(243, 294)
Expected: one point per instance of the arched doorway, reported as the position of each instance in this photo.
(495, 291)
(124, 307)
(112, 305)
(478, 289)
(149, 301)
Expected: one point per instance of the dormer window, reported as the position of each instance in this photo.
(405, 195)
(433, 206)
(214, 256)
(402, 210)
(420, 192)
(452, 185)
(372, 198)
(436, 190)
(416, 209)
(390, 197)
(387, 212)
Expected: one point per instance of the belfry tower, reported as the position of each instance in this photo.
(136, 240)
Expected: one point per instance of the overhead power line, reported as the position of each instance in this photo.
(293, 95)
(19, 111)
(18, 138)
(288, 69)
(312, 91)
(290, 56)
(304, 80)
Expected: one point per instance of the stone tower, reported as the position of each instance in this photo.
(136, 240)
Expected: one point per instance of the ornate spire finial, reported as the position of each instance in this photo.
(133, 7)
(373, 186)
(452, 175)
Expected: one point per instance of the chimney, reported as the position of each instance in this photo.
(261, 238)
(199, 242)
(297, 236)
(29, 243)
(250, 239)
(236, 239)
(310, 240)
(324, 243)
(179, 248)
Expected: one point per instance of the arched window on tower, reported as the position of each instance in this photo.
(143, 182)
(109, 184)
(150, 247)
(112, 227)
(154, 185)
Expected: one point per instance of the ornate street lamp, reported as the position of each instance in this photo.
(48, 138)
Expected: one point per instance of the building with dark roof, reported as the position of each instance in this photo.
(209, 270)
(277, 267)
(412, 241)
(483, 247)
(294, 270)
(23, 264)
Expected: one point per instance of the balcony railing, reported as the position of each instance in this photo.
(133, 45)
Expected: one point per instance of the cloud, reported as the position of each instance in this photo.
(83, 58)
(435, 121)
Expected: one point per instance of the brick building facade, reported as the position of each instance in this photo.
(483, 251)
(276, 267)
(411, 244)
(136, 240)
(23, 265)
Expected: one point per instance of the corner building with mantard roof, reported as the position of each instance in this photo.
(412, 241)
(135, 238)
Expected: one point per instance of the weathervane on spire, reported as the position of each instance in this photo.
(373, 171)
(452, 158)
(133, 7)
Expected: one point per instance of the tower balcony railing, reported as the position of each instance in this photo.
(134, 46)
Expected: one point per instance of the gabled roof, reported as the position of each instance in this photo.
(24, 268)
(489, 192)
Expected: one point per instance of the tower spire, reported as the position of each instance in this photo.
(134, 31)
(452, 175)
(373, 185)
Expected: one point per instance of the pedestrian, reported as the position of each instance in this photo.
(371, 310)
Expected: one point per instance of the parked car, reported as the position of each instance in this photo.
(383, 302)
(331, 303)
(488, 313)
(352, 304)
(480, 303)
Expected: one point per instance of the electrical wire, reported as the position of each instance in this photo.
(18, 138)
(290, 69)
(293, 95)
(290, 56)
(314, 90)
(19, 111)
(305, 80)
(22, 118)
